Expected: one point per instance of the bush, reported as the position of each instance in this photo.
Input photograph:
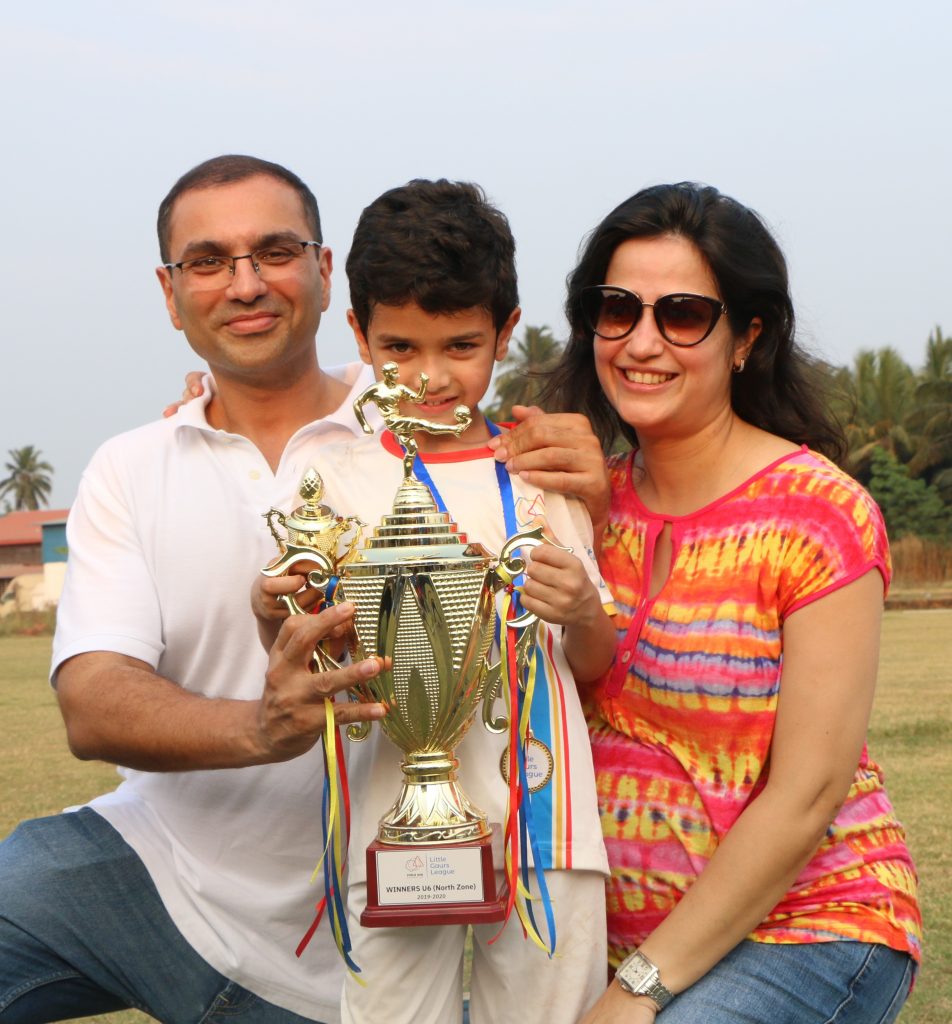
(908, 506)
(29, 623)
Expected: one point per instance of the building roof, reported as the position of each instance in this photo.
(27, 527)
(9, 572)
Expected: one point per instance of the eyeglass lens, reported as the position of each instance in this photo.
(270, 263)
(681, 319)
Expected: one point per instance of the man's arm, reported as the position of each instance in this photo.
(558, 452)
(118, 709)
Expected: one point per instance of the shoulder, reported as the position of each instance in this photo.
(140, 445)
(811, 479)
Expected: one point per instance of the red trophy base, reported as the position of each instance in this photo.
(409, 886)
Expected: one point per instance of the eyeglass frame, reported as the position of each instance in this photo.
(718, 309)
(304, 243)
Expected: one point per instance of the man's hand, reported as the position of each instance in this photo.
(290, 715)
(266, 590)
(193, 389)
(558, 452)
(119, 709)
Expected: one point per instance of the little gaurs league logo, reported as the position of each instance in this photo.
(415, 866)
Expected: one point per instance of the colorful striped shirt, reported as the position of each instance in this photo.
(681, 726)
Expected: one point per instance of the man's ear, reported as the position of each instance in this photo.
(505, 334)
(362, 347)
(165, 280)
(325, 267)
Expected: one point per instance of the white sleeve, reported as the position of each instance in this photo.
(109, 601)
(569, 522)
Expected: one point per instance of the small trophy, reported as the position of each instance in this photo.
(423, 596)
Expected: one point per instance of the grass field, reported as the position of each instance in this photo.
(911, 736)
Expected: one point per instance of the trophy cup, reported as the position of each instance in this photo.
(424, 599)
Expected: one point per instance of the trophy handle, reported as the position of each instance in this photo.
(316, 579)
(508, 568)
(524, 646)
(512, 564)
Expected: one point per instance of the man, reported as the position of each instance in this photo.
(185, 892)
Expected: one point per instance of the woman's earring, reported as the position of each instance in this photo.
(739, 367)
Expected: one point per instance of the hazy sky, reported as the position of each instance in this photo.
(832, 119)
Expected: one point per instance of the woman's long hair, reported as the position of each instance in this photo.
(781, 390)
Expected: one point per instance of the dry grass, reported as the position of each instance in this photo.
(911, 736)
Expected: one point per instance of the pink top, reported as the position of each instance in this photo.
(682, 724)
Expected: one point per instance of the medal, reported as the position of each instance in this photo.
(539, 765)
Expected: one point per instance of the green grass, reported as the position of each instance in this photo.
(910, 736)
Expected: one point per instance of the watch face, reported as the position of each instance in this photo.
(636, 973)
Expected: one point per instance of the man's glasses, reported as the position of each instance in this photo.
(271, 262)
(682, 318)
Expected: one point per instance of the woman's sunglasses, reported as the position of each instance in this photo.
(683, 319)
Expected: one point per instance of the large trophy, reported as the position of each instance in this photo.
(424, 599)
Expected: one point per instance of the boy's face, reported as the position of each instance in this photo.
(457, 351)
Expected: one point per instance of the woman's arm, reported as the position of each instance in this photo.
(830, 657)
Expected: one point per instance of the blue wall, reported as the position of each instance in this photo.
(54, 542)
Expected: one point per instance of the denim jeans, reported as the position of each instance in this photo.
(813, 983)
(83, 931)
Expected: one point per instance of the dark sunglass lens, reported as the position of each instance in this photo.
(684, 319)
(615, 313)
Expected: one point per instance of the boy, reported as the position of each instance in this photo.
(433, 290)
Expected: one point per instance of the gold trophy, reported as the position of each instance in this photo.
(424, 598)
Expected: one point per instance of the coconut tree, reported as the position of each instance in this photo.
(522, 372)
(881, 399)
(29, 479)
(931, 418)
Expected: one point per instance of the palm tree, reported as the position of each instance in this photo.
(521, 379)
(931, 418)
(29, 480)
(881, 397)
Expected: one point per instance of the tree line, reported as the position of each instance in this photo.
(897, 420)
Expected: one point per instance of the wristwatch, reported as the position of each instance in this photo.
(639, 976)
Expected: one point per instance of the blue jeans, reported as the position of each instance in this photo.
(813, 983)
(83, 931)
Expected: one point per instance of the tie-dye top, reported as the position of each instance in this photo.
(681, 726)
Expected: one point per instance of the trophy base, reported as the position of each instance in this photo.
(409, 886)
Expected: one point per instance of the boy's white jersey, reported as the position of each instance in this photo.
(361, 478)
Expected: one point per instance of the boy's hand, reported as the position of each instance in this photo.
(557, 452)
(193, 389)
(557, 588)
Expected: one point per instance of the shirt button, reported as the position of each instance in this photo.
(626, 657)
(254, 475)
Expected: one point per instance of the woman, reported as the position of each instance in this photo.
(758, 871)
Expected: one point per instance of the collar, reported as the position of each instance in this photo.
(391, 445)
(358, 375)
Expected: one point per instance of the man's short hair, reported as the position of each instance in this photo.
(226, 170)
(440, 244)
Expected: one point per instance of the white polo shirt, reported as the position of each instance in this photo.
(165, 539)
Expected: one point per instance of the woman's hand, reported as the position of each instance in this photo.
(193, 389)
(557, 452)
(616, 1006)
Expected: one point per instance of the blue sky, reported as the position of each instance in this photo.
(830, 118)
